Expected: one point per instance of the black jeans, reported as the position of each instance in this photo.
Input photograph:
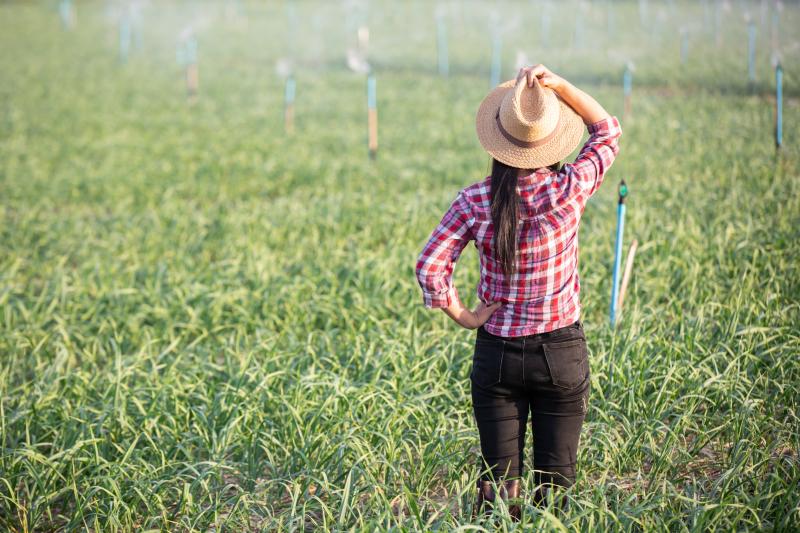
(546, 374)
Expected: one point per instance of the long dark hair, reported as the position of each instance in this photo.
(505, 213)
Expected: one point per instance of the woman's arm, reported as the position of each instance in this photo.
(470, 319)
(585, 175)
(587, 107)
(436, 263)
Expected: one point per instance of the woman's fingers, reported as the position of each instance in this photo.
(534, 73)
(539, 70)
(546, 80)
(484, 311)
(525, 72)
(531, 78)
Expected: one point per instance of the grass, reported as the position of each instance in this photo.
(207, 325)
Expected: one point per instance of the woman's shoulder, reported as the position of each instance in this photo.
(478, 195)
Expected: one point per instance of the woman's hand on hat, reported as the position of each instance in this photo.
(544, 75)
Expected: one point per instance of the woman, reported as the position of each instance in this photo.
(530, 350)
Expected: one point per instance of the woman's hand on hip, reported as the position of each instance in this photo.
(481, 314)
(471, 319)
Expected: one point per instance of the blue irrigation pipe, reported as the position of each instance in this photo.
(372, 92)
(186, 52)
(623, 193)
(124, 38)
(778, 106)
(627, 82)
(684, 46)
(497, 46)
(751, 51)
(191, 50)
(289, 91)
(65, 10)
(441, 42)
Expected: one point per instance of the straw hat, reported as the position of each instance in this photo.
(527, 127)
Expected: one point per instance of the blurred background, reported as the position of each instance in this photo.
(210, 213)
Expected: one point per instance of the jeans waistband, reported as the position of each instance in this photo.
(482, 333)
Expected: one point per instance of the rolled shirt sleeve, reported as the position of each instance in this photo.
(438, 258)
(585, 174)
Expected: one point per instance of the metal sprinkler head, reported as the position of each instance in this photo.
(623, 191)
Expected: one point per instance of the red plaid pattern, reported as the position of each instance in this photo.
(543, 293)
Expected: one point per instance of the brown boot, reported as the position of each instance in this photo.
(485, 501)
(510, 493)
(542, 495)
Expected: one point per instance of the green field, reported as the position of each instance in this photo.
(207, 324)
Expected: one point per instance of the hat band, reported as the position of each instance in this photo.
(526, 144)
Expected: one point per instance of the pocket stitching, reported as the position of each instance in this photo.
(554, 376)
(500, 365)
(499, 376)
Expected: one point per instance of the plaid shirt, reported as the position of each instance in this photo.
(543, 293)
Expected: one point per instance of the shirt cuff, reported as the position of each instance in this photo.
(433, 300)
(608, 127)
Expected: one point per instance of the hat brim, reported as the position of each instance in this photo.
(564, 141)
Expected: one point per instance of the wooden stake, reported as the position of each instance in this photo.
(288, 119)
(626, 277)
(373, 133)
(192, 81)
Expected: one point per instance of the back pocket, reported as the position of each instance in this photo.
(487, 362)
(567, 361)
